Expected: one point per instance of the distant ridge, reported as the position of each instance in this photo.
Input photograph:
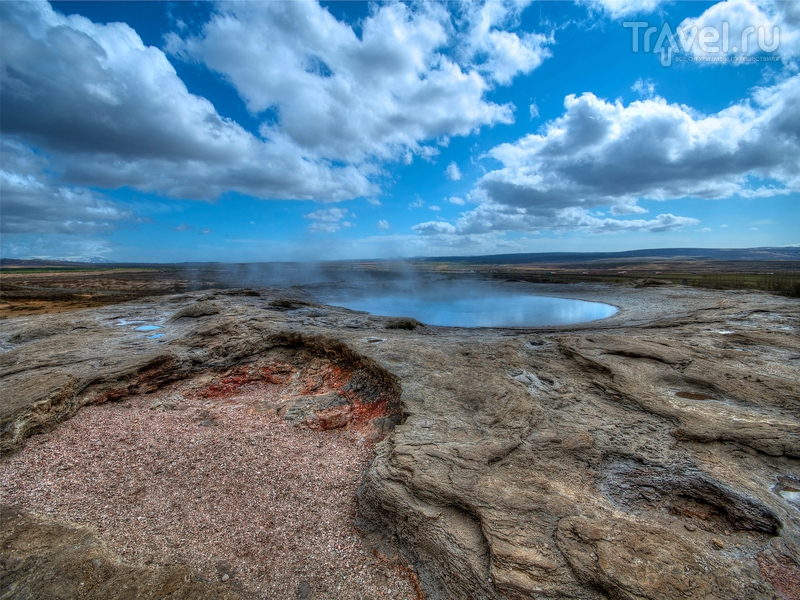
(734, 254)
(785, 253)
(54, 262)
(70, 259)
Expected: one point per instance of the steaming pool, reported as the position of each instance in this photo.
(460, 308)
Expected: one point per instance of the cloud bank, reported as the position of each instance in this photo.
(606, 154)
(110, 111)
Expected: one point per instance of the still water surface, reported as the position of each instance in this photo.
(459, 308)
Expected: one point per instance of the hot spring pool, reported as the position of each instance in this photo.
(459, 308)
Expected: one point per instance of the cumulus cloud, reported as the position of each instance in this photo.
(435, 227)
(384, 93)
(498, 53)
(491, 217)
(453, 173)
(617, 9)
(111, 111)
(456, 200)
(646, 88)
(418, 203)
(734, 28)
(630, 209)
(601, 153)
(33, 203)
(750, 27)
(327, 220)
(383, 224)
(605, 153)
(182, 227)
(534, 111)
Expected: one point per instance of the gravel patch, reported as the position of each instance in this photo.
(239, 495)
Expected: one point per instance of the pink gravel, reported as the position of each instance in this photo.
(240, 496)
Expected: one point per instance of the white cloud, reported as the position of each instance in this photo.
(435, 227)
(600, 153)
(435, 208)
(646, 88)
(418, 203)
(453, 173)
(382, 224)
(629, 209)
(456, 200)
(494, 50)
(206, 231)
(384, 93)
(110, 111)
(329, 215)
(705, 229)
(534, 111)
(490, 217)
(764, 192)
(773, 23)
(327, 220)
(617, 9)
(103, 110)
(33, 203)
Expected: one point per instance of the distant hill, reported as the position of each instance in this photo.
(74, 259)
(684, 254)
(785, 254)
(47, 261)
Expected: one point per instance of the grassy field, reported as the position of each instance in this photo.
(779, 278)
(786, 284)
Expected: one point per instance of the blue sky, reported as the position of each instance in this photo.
(261, 131)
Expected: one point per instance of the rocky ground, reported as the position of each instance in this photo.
(653, 454)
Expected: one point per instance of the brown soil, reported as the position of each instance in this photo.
(48, 292)
(198, 474)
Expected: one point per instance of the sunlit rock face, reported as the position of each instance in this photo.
(652, 454)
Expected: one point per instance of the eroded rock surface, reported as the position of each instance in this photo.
(45, 558)
(654, 454)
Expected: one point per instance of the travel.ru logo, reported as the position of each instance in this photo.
(705, 44)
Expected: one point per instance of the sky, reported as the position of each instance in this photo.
(294, 130)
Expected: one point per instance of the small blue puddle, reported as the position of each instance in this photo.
(148, 327)
(156, 336)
